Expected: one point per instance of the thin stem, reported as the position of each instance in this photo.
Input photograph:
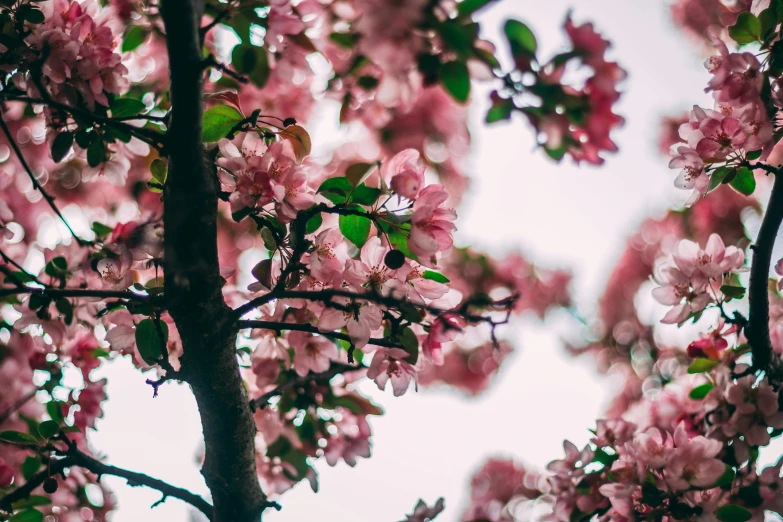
(4, 416)
(757, 330)
(74, 292)
(271, 325)
(49, 199)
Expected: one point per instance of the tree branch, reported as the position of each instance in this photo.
(299, 327)
(757, 330)
(74, 292)
(336, 368)
(74, 457)
(193, 286)
(49, 199)
(156, 139)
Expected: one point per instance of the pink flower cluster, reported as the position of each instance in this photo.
(687, 281)
(738, 125)
(81, 64)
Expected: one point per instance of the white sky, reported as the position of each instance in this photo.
(428, 444)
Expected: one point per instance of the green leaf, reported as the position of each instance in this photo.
(29, 515)
(159, 170)
(732, 292)
(65, 307)
(365, 195)
(468, 7)
(719, 176)
(30, 467)
(356, 229)
(399, 240)
(57, 267)
(314, 223)
(335, 190)
(218, 122)
(358, 172)
(48, 429)
(101, 230)
(135, 37)
(746, 30)
(17, 437)
(346, 40)
(456, 79)
(435, 276)
(151, 346)
(96, 153)
(252, 61)
(702, 365)
(520, 38)
(744, 182)
(768, 19)
(726, 479)
(501, 109)
(61, 146)
(31, 501)
(410, 344)
(55, 411)
(733, 513)
(126, 107)
(34, 16)
(699, 392)
(753, 155)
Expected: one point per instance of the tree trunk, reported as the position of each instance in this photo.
(193, 283)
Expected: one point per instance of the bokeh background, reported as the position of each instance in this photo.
(429, 443)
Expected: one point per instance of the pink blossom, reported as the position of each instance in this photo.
(311, 352)
(693, 462)
(360, 320)
(327, 260)
(370, 270)
(292, 194)
(351, 440)
(431, 225)
(676, 286)
(721, 137)
(692, 175)
(406, 173)
(6, 474)
(388, 364)
(443, 329)
(415, 287)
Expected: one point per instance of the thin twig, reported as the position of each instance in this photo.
(75, 292)
(74, 457)
(299, 327)
(16, 406)
(49, 199)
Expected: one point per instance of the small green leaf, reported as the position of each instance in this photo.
(30, 467)
(733, 513)
(159, 170)
(718, 176)
(252, 61)
(399, 240)
(17, 437)
(126, 107)
(732, 292)
(135, 37)
(746, 30)
(726, 479)
(346, 40)
(55, 411)
(56, 267)
(753, 155)
(501, 109)
(48, 429)
(468, 7)
(61, 146)
(96, 153)
(358, 172)
(32, 500)
(218, 122)
(365, 195)
(33, 16)
(314, 223)
(435, 276)
(29, 515)
(455, 78)
(148, 340)
(702, 365)
(101, 230)
(520, 38)
(699, 392)
(744, 182)
(335, 190)
(410, 344)
(356, 229)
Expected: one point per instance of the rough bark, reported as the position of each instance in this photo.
(193, 283)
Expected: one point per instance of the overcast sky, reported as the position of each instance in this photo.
(428, 444)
